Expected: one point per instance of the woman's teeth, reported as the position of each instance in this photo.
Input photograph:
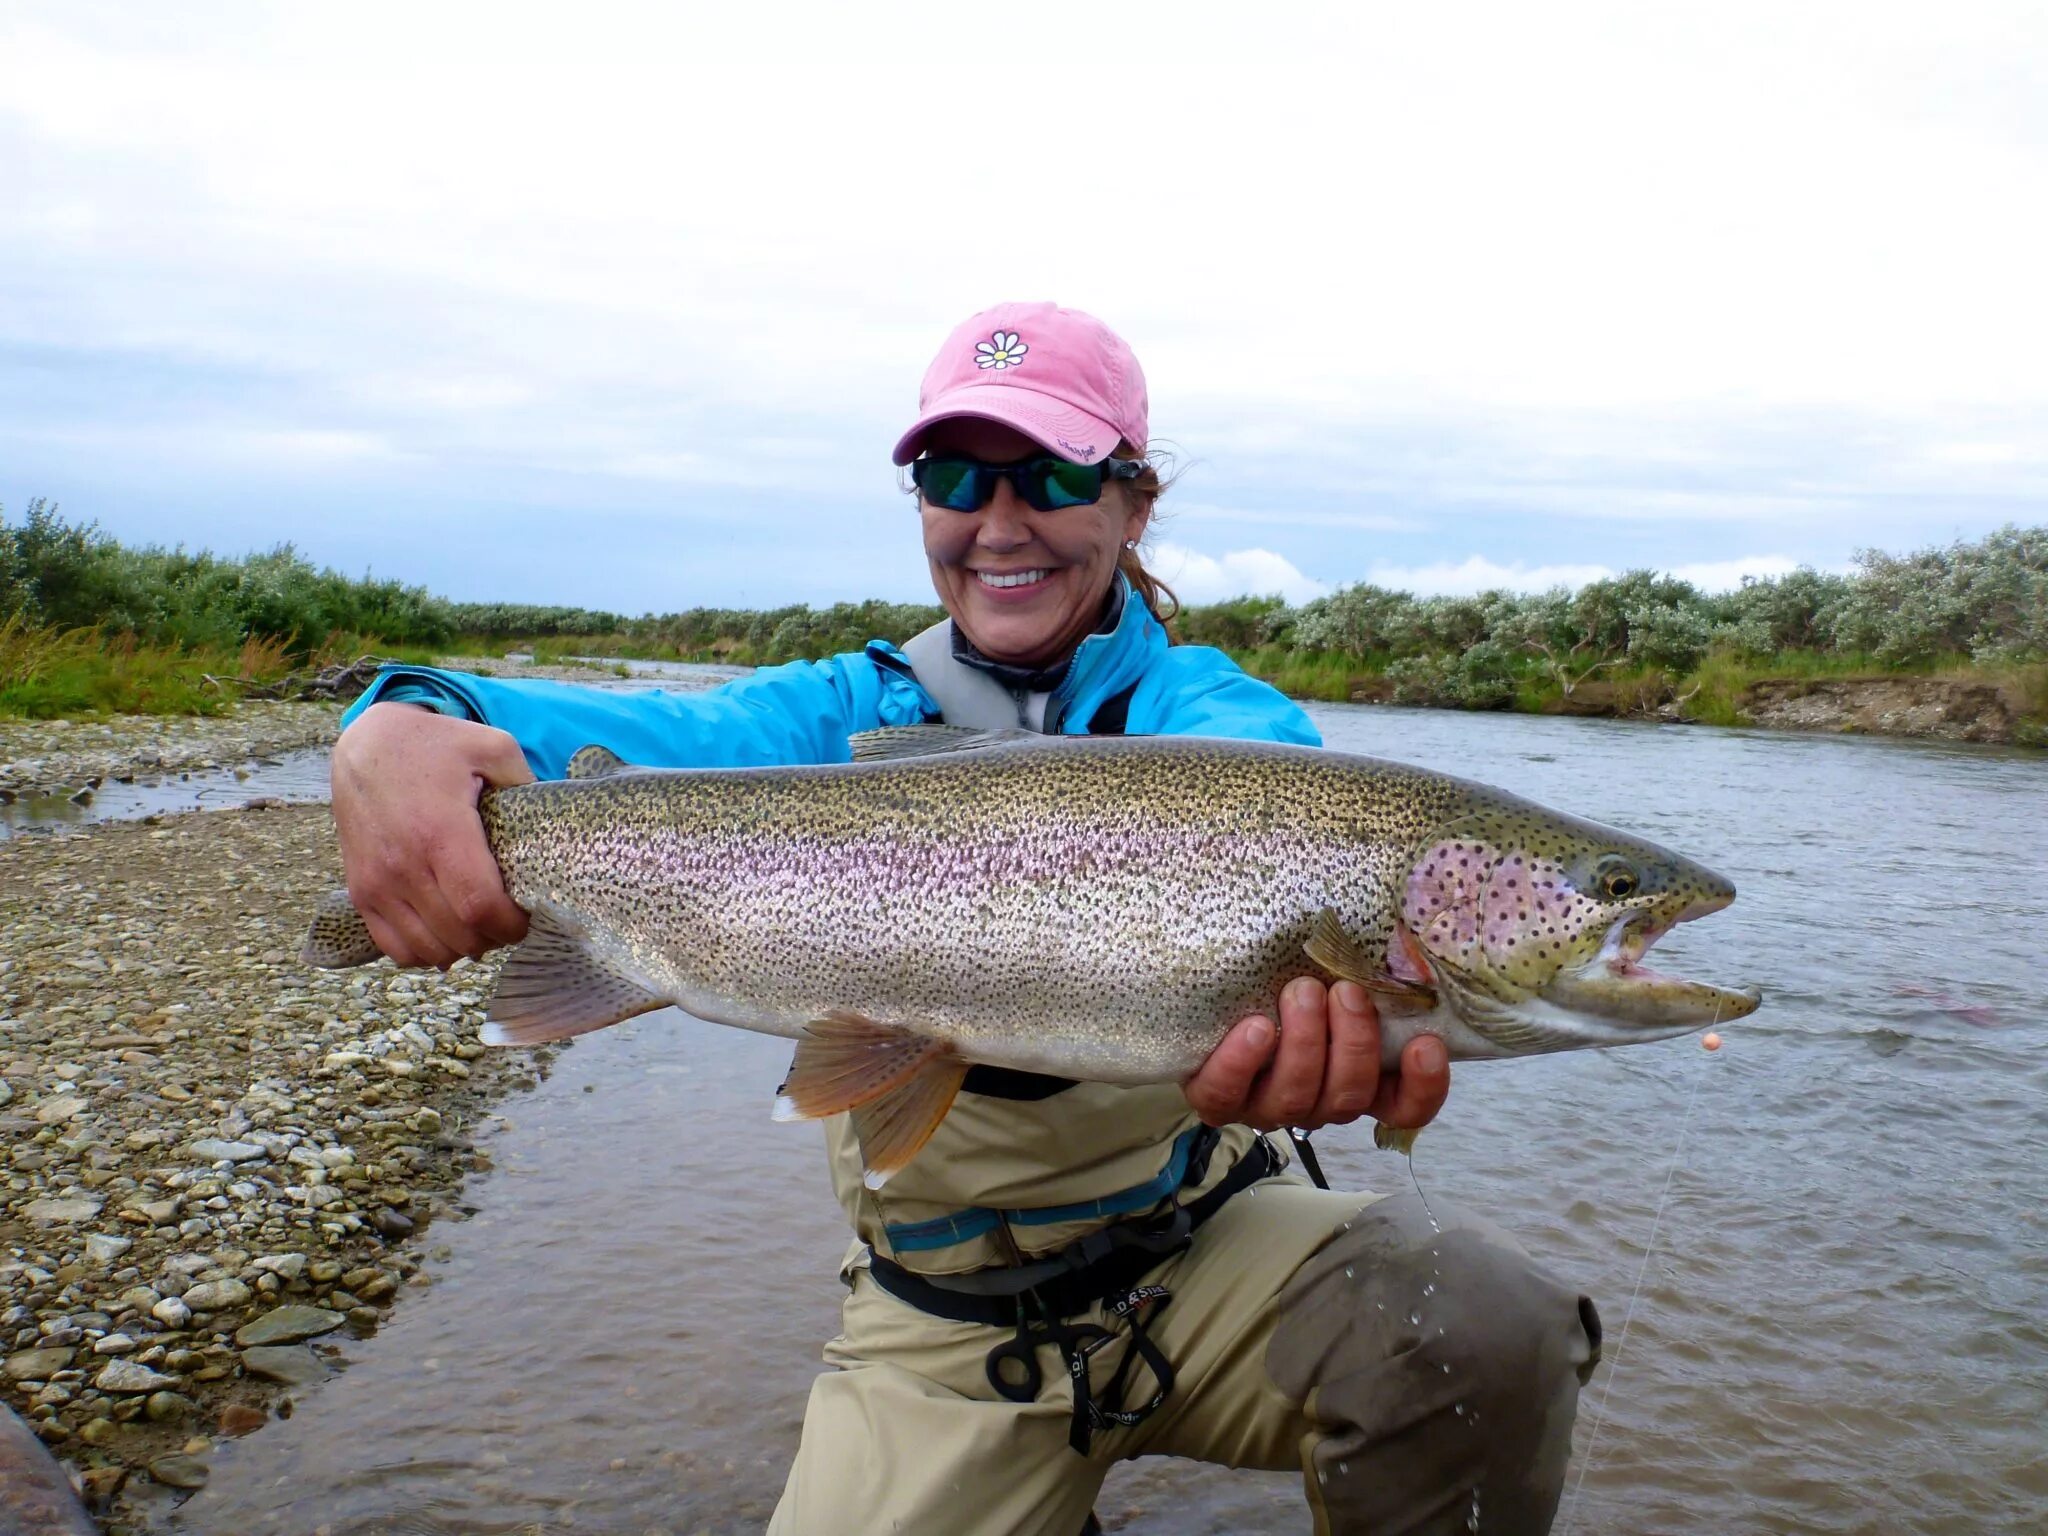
(1010, 579)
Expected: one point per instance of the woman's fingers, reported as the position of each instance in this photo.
(1410, 1098)
(419, 869)
(1352, 1079)
(1288, 1089)
(1220, 1086)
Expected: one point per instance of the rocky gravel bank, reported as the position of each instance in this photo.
(215, 1163)
(62, 756)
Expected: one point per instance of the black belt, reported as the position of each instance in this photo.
(1037, 1298)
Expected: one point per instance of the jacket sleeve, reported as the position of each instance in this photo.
(1196, 690)
(801, 712)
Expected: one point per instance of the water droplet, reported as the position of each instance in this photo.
(1458, 1409)
(1429, 1290)
(1343, 1469)
(1445, 1367)
(1350, 1272)
(1415, 1319)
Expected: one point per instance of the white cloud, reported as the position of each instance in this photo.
(1199, 578)
(1726, 575)
(1476, 573)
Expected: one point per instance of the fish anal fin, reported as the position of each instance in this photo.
(595, 762)
(895, 1124)
(1330, 947)
(556, 985)
(927, 740)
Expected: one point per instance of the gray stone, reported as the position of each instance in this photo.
(36, 1364)
(288, 1325)
(128, 1376)
(289, 1364)
(102, 1248)
(52, 1208)
(212, 1151)
(179, 1471)
(114, 1344)
(172, 1312)
(216, 1294)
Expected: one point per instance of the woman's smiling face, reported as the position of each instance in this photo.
(1024, 586)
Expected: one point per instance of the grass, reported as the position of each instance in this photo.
(1321, 675)
(49, 673)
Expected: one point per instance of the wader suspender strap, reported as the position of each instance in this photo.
(1107, 1266)
(966, 696)
(1093, 1269)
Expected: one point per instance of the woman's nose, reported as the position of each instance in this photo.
(1005, 521)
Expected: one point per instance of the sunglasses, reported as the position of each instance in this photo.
(1045, 483)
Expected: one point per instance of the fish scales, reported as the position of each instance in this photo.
(1092, 910)
(1099, 908)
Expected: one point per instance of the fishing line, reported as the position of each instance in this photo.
(1656, 1222)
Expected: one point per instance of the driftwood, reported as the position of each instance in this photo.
(339, 683)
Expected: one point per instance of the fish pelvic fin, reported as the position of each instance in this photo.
(897, 1084)
(1343, 957)
(926, 740)
(338, 937)
(555, 985)
(595, 762)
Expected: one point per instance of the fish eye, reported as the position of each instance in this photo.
(1618, 878)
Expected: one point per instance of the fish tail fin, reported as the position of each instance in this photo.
(897, 1084)
(338, 937)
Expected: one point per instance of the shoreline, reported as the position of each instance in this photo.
(217, 1164)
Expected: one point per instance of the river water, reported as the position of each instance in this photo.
(1840, 1326)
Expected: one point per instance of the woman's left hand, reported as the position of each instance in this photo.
(1321, 1067)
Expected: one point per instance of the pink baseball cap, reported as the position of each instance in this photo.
(1061, 377)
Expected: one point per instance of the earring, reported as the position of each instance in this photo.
(1130, 543)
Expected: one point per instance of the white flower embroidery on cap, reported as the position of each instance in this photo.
(1001, 350)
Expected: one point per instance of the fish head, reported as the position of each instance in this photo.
(1533, 926)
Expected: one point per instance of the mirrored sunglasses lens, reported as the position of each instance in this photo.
(1065, 484)
(951, 483)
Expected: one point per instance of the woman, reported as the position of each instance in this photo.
(1069, 1274)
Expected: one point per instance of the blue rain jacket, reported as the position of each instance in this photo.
(804, 711)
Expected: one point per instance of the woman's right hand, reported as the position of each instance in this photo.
(406, 782)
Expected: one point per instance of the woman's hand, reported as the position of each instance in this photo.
(1321, 1067)
(406, 782)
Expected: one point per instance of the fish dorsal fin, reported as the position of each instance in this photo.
(556, 984)
(897, 1084)
(927, 740)
(595, 762)
(1343, 957)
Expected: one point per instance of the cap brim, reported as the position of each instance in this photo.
(1053, 424)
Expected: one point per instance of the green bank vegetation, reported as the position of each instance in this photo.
(87, 624)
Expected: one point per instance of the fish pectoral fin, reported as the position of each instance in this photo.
(338, 937)
(1341, 955)
(1395, 1138)
(926, 740)
(898, 1085)
(595, 762)
(555, 985)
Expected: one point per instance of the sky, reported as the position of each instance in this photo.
(624, 306)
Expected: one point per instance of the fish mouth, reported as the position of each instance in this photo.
(1615, 985)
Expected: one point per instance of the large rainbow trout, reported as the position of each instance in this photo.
(1101, 908)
